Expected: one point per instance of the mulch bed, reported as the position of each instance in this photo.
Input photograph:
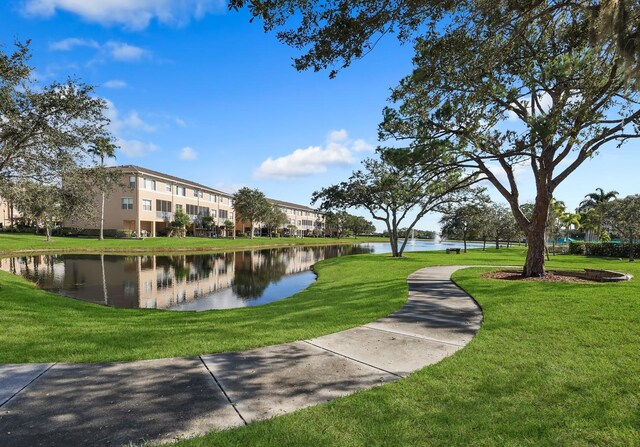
(551, 276)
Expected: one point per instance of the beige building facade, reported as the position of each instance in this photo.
(146, 202)
(6, 212)
(306, 220)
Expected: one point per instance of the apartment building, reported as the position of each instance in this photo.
(306, 220)
(146, 201)
(7, 213)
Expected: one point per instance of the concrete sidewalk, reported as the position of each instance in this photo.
(111, 404)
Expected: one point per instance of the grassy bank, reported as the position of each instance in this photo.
(11, 243)
(553, 365)
(42, 327)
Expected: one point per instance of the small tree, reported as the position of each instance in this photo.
(358, 225)
(623, 215)
(49, 204)
(274, 218)
(229, 227)
(592, 203)
(102, 147)
(180, 222)
(465, 220)
(337, 223)
(570, 221)
(251, 206)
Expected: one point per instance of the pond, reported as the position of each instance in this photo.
(187, 282)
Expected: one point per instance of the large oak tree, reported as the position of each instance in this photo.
(540, 84)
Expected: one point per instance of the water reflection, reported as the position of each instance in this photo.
(178, 282)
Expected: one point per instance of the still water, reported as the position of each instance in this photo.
(187, 282)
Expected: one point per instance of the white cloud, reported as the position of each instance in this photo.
(115, 84)
(362, 146)
(132, 121)
(338, 135)
(135, 148)
(180, 122)
(188, 153)
(72, 42)
(338, 150)
(132, 14)
(121, 51)
(118, 51)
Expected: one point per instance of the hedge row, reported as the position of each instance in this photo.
(604, 249)
(94, 232)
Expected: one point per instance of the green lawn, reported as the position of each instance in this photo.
(553, 364)
(42, 327)
(21, 243)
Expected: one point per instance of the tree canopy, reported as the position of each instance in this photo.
(44, 130)
(402, 186)
(509, 84)
(251, 205)
(623, 216)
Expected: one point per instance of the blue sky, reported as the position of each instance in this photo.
(201, 93)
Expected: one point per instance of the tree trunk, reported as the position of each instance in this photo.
(393, 239)
(497, 242)
(534, 264)
(464, 240)
(102, 219)
(631, 247)
(104, 282)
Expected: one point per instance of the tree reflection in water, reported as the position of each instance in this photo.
(183, 282)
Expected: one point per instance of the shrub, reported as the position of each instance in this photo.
(603, 249)
(577, 248)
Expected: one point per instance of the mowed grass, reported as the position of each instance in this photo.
(22, 243)
(553, 365)
(38, 326)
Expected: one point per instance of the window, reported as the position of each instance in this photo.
(163, 205)
(214, 213)
(181, 191)
(149, 184)
(195, 210)
(213, 197)
(178, 207)
(127, 203)
(223, 214)
(198, 193)
(221, 199)
(146, 205)
(132, 181)
(167, 187)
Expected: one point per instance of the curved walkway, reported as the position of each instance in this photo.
(65, 404)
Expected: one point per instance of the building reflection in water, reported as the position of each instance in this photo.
(178, 282)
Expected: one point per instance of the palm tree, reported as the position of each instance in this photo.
(592, 201)
(102, 147)
(570, 220)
